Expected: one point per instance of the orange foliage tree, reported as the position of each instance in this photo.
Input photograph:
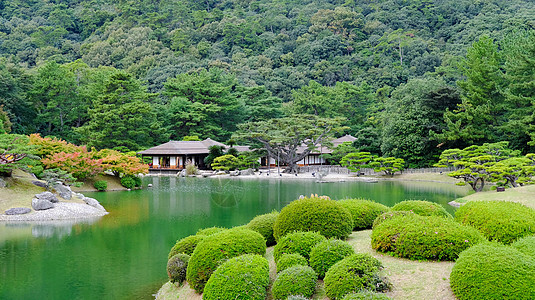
(80, 164)
(120, 163)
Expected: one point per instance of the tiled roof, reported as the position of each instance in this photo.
(187, 147)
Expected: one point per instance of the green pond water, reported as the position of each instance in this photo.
(123, 255)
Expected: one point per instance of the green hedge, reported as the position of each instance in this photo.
(297, 280)
(366, 296)
(177, 266)
(321, 215)
(417, 237)
(216, 248)
(498, 220)
(493, 271)
(210, 230)
(353, 274)
(186, 245)
(390, 215)
(526, 245)
(128, 182)
(297, 242)
(244, 277)
(422, 208)
(364, 212)
(101, 185)
(325, 254)
(289, 260)
(263, 224)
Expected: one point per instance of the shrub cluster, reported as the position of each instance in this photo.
(297, 280)
(297, 242)
(325, 254)
(101, 185)
(417, 237)
(353, 274)
(177, 266)
(243, 277)
(498, 220)
(390, 215)
(422, 208)
(263, 224)
(186, 245)
(325, 216)
(493, 271)
(363, 212)
(210, 230)
(289, 260)
(366, 295)
(128, 182)
(526, 245)
(215, 249)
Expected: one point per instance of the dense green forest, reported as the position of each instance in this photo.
(411, 77)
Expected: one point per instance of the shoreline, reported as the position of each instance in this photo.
(61, 211)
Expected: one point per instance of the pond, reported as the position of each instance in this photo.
(123, 255)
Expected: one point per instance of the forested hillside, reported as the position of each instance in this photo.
(410, 77)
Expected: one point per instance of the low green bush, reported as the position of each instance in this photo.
(390, 215)
(493, 271)
(185, 245)
(317, 214)
(214, 249)
(418, 237)
(526, 245)
(128, 182)
(289, 260)
(366, 296)
(210, 230)
(177, 266)
(263, 224)
(297, 280)
(363, 212)
(297, 242)
(101, 185)
(354, 274)
(325, 254)
(499, 221)
(422, 208)
(297, 297)
(244, 277)
(137, 181)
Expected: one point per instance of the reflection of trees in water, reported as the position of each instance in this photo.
(48, 229)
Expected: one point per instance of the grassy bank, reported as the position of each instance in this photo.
(524, 195)
(410, 279)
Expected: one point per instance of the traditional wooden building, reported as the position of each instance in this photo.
(177, 154)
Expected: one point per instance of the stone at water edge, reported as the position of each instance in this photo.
(48, 196)
(18, 211)
(39, 183)
(247, 172)
(63, 191)
(94, 203)
(3, 183)
(41, 204)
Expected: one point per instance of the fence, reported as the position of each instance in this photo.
(366, 171)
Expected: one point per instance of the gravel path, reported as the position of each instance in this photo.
(61, 211)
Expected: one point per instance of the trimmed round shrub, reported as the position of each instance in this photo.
(289, 260)
(128, 182)
(321, 215)
(215, 249)
(366, 296)
(417, 237)
(390, 215)
(177, 266)
(101, 185)
(422, 208)
(363, 212)
(297, 242)
(186, 245)
(297, 280)
(243, 277)
(263, 224)
(353, 274)
(526, 245)
(499, 221)
(493, 271)
(137, 181)
(325, 254)
(210, 230)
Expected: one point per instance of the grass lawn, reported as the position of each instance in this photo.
(523, 194)
(410, 279)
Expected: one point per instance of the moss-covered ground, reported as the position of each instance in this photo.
(523, 194)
